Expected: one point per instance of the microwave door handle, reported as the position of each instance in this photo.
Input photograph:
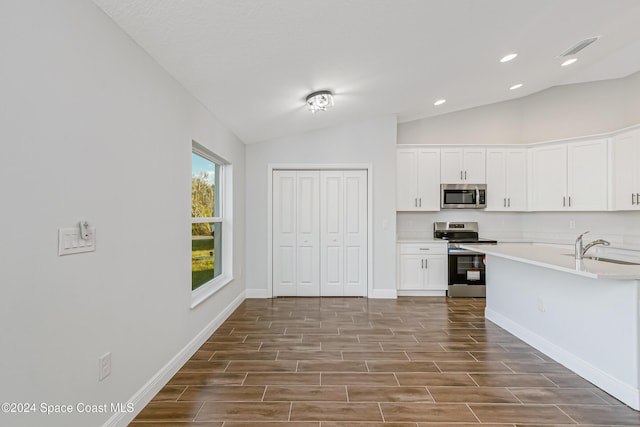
(477, 196)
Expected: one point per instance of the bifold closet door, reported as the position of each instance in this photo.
(319, 233)
(296, 233)
(343, 233)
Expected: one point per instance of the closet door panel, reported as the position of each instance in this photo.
(355, 218)
(308, 233)
(284, 233)
(332, 229)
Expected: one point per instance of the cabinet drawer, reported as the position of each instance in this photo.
(422, 248)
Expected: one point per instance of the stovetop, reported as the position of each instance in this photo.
(460, 232)
(477, 241)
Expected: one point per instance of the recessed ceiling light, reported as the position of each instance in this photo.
(569, 62)
(439, 102)
(517, 86)
(509, 57)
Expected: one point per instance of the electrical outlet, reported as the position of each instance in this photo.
(572, 224)
(104, 366)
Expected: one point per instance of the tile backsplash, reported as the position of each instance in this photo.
(622, 229)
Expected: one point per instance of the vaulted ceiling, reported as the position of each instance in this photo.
(252, 62)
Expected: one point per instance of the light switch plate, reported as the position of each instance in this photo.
(70, 242)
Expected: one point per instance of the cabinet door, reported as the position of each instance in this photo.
(406, 179)
(587, 175)
(428, 179)
(625, 164)
(549, 177)
(496, 180)
(474, 165)
(451, 166)
(435, 270)
(515, 179)
(411, 272)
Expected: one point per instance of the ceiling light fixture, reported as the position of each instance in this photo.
(509, 57)
(568, 62)
(320, 100)
(516, 86)
(439, 102)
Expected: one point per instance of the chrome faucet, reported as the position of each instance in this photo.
(592, 244)
(580, 250)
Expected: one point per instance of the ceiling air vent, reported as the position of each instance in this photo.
(578, 47)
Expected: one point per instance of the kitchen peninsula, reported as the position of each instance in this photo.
(583, 314)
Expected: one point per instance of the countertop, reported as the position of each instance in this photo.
(560, 259)
(421, 240)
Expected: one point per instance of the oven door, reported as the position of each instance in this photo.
(463, 196)
(466, 267)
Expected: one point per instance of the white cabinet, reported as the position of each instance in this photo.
(507, 179)
(625, 162)
(320, 233)
(462, 165)
(422, 267)
(569, 176)
(418, 179)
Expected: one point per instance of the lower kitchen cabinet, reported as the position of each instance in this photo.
(422, 267)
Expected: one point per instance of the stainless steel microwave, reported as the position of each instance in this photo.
(463, 196)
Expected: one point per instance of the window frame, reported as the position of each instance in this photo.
(225, 215)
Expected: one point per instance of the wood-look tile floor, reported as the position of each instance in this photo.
(356, 362)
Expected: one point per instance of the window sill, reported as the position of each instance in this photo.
(210, 288)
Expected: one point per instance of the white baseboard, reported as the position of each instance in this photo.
(384, 294)
(143, 396)
(620, 390)
(257, 293)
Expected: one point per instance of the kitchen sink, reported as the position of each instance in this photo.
(614, 261)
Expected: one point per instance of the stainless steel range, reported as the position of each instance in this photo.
(467, 273)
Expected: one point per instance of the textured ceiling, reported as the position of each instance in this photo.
(252, 62)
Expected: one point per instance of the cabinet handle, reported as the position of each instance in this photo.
(633, 199)
(420, 201)
(504, 202)
(564, 201)
(426, 263)
(460, 175)
(421, 263)
(509, 202)
(425, 249)
(637, 198)
(415, 202)
(569, 201)
(465, 175)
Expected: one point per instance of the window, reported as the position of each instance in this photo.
(209, 221)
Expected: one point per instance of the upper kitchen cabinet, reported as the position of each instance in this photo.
(507, 179)
(418, 179)
(569, 176)
(625, 161)
(463, 165)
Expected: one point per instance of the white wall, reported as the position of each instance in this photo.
(557, 113)
(372, 141)
(92, 128)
